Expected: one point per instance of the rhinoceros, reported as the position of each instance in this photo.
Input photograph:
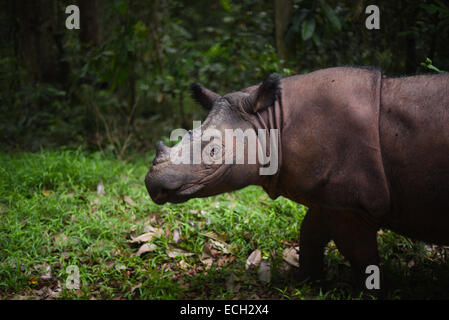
(361, 150)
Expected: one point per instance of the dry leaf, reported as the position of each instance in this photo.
(100, 189)
(136, 287)
(183, 265)
(209, 250)
(149, 228)
(119, 267)
(47, 275)
(222, 261)
(207, 255)
(175, 236)
(147, 237)
(207, 262)
(61, 239)
(146, 247)
(154, 218)
(175, 252)
(222, 246)
(129, 201)
(218, 242)
(215, 236)
(291, 256)
(47, 293)
(254, 259)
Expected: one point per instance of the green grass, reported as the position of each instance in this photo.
(51, 218)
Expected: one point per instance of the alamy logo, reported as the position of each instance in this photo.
(218, 150)
(73, 20)
(373, 280)
(373, 20)
(73, 280)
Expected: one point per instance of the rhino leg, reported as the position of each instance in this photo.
(314, 236)
(357, 241)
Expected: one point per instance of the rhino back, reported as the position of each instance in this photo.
(414, 135)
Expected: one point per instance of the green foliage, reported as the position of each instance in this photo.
(51, 217)
(428, 64)
(132, 87)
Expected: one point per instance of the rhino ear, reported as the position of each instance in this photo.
(265, 95)
(203, 96)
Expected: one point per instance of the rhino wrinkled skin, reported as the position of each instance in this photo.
(362, 151)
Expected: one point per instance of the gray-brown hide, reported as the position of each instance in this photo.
(362, 151)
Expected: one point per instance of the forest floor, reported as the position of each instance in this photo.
(70, 214)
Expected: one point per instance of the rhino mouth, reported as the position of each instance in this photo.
(178, 195)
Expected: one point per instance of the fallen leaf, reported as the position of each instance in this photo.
(215, 236)
(222, 261)
(290, 255)
(207, 262)
(149, 228)
(209, 250)
(119, 267)
(46, 277)
(136, 287)
(154, 219)
(183, 265)
(222, 246)
(289, 243)
(254, 259)
(176, 236)
(208, 254)
(175, 252)
(61, 239)
(146, 247)
(100, 189)
(129, 201)
(147, 237)
(47, 293)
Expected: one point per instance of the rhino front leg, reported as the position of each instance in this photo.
(357, 241)
(313, 237)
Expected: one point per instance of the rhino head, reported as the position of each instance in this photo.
(210, 159)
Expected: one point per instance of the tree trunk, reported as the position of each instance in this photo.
(39, 40)
(88, 22)
(283, 10)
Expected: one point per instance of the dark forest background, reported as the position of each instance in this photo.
(121, 82)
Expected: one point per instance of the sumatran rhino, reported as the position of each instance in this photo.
(360, 150)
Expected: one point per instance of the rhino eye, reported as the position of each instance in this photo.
(212, 154)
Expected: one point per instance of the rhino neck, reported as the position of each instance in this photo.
(268, 119)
